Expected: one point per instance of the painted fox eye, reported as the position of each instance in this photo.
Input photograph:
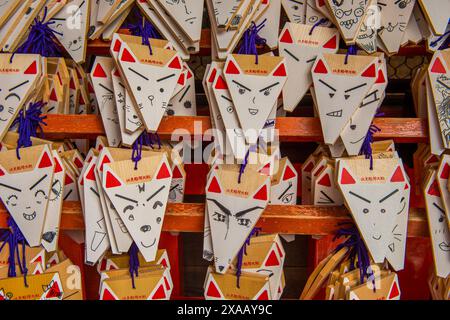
(139, 88)
(241, 91)
(244, 222)
(366, 210)
(383, 210)
(267, 92)
(219, 217)
(12, 200)
(441, 219)
(128, 208)
(359, 12)
(157, 204)
(39, 195)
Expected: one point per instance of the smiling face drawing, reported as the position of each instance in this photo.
(254, 95)
(26, 196)
(142, 205)
(224, 10)
(295, 10)
(349, 15)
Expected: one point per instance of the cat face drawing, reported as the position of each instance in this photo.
(26, 193)
(140, 198)
(151, 84)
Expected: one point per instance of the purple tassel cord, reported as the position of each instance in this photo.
(358, 253)
(366, 148)
(143, 28)
(145, 139)
(251, 40)
(41, 39)
(318, 23)
(14, 237)
(29, 124)
(240, 257)
(243, 166)
(352, 51)
(134, 262)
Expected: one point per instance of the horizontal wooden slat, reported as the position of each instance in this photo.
(293, 129)
(304, 220)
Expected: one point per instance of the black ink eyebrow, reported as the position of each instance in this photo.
(95, 192)
(157, 191)
(185, 93)
(360, 197)
(311, 60)
(174, 187)
(221, 206)
(139, 74)
(226, 98)
(110, 91)
(10, 187)
(125, 198)
(326, 196)
(326, 84)
(120, 84)
(166, 77)
(439, 208)
(59, 19)
(243, 212)
(298, 2)
(354, 88)
(67, 195)
(443, 84)
(389, 195)
(241, 85)
(284, 192)
(39, 181)
(19, 85)
(268, 87)
(292, 55)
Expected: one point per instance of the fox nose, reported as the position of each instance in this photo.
(253, 100)
(221, 268)
(353, 126)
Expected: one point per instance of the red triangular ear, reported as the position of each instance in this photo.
(78, 163)
(438, 67)
(261, 194)
(214, 186)
(163, 172)
(181, 79)
(68, 180)
(212, 76)
(263, 296)
(395, 292)
(272, 260)
(286, 37)
(434, 189)
(288, 173)
(164, 263)
(58, 167)
(53, 96)
(280, 71)
(370, 72)
(32, 68)
(320, 67)
(189, 75)
(380, 78)
(82, 102)
(99, 72)
(175, 63)
(112, 181)
(54, 291)
(445, 172)
(325, 181)
(346, 177)
(265, 170)
(45, 161)
(231, 68)
(309, 167)
(279, 250)
(126, 56)
(213, 291)
(107, 295)
(177, 173)
(72, 84)
(166, 282)
(91, 174)
(160, 293)
(117, 45)
(332, 43)
(432, 159)
(117, 73)
(221, 84)
(398, 175)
